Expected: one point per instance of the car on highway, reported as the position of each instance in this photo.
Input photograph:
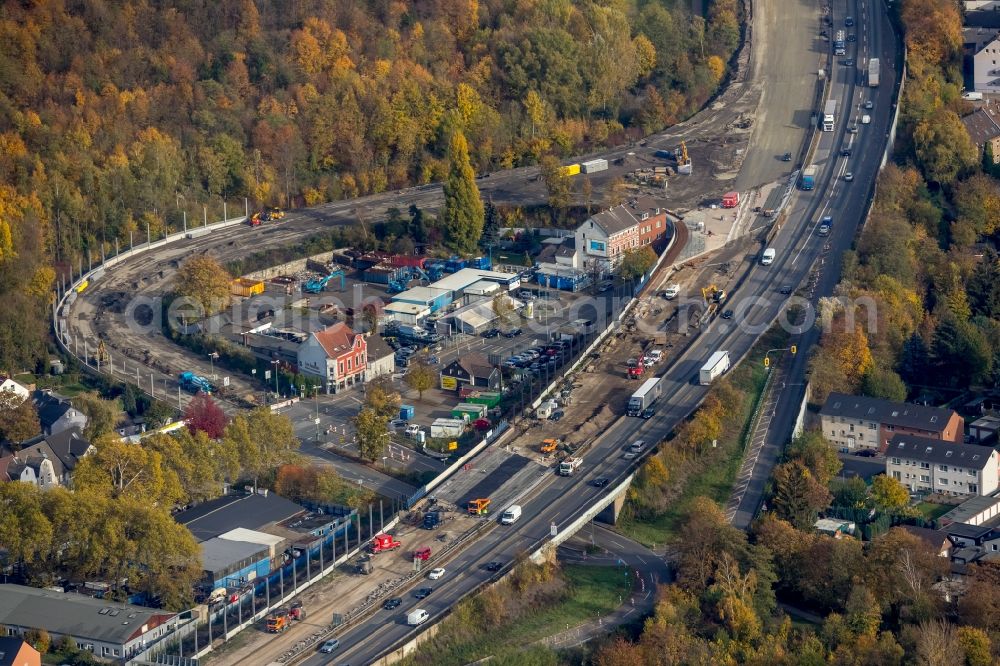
(393, 603)
(630, 455)
(329, 646)
(434, 574)
(852, 129)
(848, 62)
(869, 104)
(648, 413)
(845, 152)
(637, 446)
(423, 592)
(785, 289)
(493, 566)
(512, 333)
(848, 21)
(852, 37)
(600, 482)
(491, 333)
(849, 177)
(728, 314)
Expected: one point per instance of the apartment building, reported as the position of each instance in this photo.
(926, 465)
(855, 423)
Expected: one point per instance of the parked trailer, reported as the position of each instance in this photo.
(593, 166)
(717, 364)
(873, 72)
(644, 397)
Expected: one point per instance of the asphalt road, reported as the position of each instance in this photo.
(845, 201)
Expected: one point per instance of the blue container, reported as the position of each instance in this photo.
(406, 412)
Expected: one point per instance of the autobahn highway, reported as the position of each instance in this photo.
(757, 302)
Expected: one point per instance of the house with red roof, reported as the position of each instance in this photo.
(337, 355)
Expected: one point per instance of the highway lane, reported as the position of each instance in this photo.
(756, 302)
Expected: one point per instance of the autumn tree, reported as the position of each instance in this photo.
(420, 377)
(943, 147)
(558, 185)
(889, 494)
(204, 414)
(636, 262)
(102, 415)
(798, 496)
(372, 433)
(123, 470)
(262, 440)
(203, 282)
(381, 397)
(18, 419)
(462, 215)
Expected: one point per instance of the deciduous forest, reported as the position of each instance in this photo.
(117, 115)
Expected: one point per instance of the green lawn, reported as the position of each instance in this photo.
(933, 511)
(593, 591)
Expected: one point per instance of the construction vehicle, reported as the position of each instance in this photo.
(102, 353)
(432, 519)
(422, 554)
(276, 213)
(279, 620)
(384, 542)
(569, 465)
(316, 285)
(479, 507)
(194, 383)
(684, 165)
(365, 566)
(548, 445)
(639, 370)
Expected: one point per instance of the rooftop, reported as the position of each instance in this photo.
(969, 509)
(404, 308)
(337, 339)
(983, 124)
(905, 415)
(459, 280)
(219, 554)
(251, 511)
(966, 531)
(377, 348)
(940, 452)
(420, 295)
(615, 220)
(76, 614)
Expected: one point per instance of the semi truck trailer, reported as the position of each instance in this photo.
(717, 364)
(644, 397)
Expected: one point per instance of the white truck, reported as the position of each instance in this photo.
(569, 465)
(829, 115)
(592, 166)
(644, 397)
(717, 364)
(873, 71)
(510, 516)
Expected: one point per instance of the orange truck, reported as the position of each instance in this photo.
(280, 619)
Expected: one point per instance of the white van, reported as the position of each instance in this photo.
(418, 616)
(671, 292)
(510, 516)
(767, 258)
(866, 119)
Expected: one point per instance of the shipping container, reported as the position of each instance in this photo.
(593, 166)
(571, 169)
(470, 410)
(246, 287)
(489, 398)
(407, 260)
(447, 427)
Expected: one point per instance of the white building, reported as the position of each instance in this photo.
(986, 68)
(15, 388)
(927, 465)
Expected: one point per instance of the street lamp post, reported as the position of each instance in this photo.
(213, 356)
(275, 363)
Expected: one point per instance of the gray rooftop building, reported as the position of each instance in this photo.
(110, 630)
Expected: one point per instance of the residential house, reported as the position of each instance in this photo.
(935, 540)
(983, 126)
(381, 358)
(985, 430)
(36, 464)
(835, 528)
(653, 225)
(56, 413)
(973, 511)
(8, 384)
(985, 70)
(337, 355)
(17, 652)
(111, 630)
(473, 369)
(855, 423)
(603, 239)
(926, 465)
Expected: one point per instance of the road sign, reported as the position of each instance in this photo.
(452, 446)
(267, 374)
(225, 381)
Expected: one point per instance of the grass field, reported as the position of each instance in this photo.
(715, 477)
(932, 511)
(593, 591)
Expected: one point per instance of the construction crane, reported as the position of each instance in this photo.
(684, 165)
(316, 285)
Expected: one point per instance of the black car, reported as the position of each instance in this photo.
(600, 482)
(786, 289)
(512, 333)
(866, 453)
(849, 62)
(556, 415)
(849, 21)
(492, 333)
(422, 593)
(392, 603)
(648, 413)
(852, 37)
(787, 157)
(846, 152)
(494, 566)
(728, 314)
